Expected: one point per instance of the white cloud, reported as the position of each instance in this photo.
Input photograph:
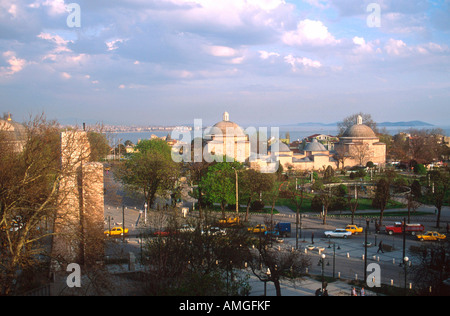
(304, 62)
(61, 43)
(221, 51)
(310, 33)
(113, 45)
(55, 7)
(15, 64)
(396, 47)
(266, 55)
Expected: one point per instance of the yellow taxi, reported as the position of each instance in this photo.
(116, 231)
(354, 229)
(258, 229)
(431, 236)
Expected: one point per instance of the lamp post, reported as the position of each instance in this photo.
(405, 263)
(323, 272)
(237, 191)
(145, 213)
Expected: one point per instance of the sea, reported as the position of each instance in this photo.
(295, 132)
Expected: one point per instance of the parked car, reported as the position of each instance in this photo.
(354, 229)
(431, 236)
(116, 231)
(338, 233)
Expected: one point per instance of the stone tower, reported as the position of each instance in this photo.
(78, 225)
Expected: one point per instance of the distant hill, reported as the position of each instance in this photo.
(403, 124)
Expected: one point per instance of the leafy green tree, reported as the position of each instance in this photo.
(252, 184)
(151, 171)
(219, 184)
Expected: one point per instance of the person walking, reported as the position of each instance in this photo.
(354, 292)
(362, 292)
(380, 247)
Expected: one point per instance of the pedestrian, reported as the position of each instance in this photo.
(380, 247)
(325, 292)
(354, 292)
(312, 238)
(362, 292)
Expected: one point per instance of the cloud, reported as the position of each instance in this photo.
(309, 33)
(221, 51)
(304, 62)
(266, 55)
(55, 7)
(15, 64)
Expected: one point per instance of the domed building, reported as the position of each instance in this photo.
(13, 133)
(227, 138)
(358, 145)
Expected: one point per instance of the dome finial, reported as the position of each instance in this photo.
(359, 120)
(226, 116)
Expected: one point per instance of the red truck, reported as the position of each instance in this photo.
(410, 228)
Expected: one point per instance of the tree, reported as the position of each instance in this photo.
(151, 171)
(349, 121)
(382, 197)
(438, 192)
(271, 265)
(253, 184)
(32, 190)
(219, 184)
(196, 263)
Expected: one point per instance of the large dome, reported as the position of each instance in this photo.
(226, 127)
(359, 131)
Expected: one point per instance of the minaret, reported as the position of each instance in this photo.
(226, 117)
(9, 117)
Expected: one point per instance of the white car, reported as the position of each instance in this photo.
(340, 233)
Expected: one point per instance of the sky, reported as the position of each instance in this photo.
(266, 62)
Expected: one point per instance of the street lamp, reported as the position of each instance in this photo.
(145, 213)
(323, 272)
(237, 191)
(405, 263)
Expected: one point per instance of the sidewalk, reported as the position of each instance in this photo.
(305, 287)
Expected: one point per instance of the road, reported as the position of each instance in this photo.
(348, 254)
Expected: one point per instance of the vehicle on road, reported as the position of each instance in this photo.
(116, 231)
(215, 231)
(338, 233)
(283, 229)
(354, 229)
(397, 228)
(431, 236)
(258, 229)
(230, 221)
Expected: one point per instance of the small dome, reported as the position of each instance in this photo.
(359, 131)
(282, 147)
(315, 146)
(14, 131)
